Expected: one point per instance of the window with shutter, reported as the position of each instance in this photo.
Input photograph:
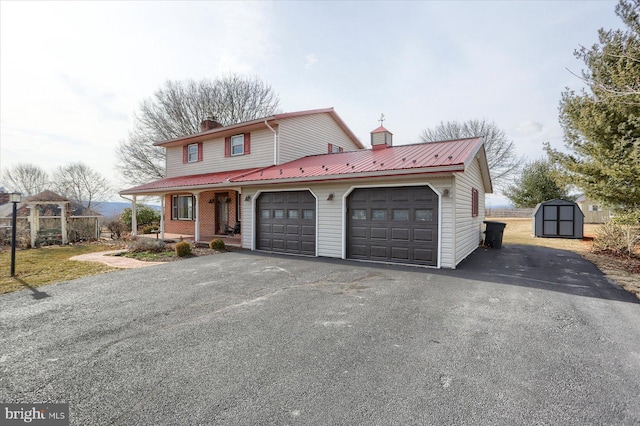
(475, 201)
(237, 145)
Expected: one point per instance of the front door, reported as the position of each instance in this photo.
(222, 212)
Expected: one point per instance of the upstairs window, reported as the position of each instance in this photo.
(334, 149)
(192, 153)
(237, 145)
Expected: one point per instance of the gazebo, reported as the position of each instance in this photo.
(52, 217)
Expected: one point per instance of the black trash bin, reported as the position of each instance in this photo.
(493, 234)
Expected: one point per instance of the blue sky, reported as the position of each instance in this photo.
(72, 74)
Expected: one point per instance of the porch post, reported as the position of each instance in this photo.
(134, 219)
(197, 236)
(162, 216)
(63, 222)
(34, 222)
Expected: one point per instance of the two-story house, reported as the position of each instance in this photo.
(302, 183)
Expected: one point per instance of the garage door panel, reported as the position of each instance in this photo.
(400, 253)
(286, 222)
(380, 252)
(401, 195)
(264, 228)
(423, 234)
(379, 233)
(359, 232)
(424, 255)
(394, 224)
(401, 234)
(358, 250)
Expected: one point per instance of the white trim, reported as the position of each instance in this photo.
(254, 216)
(344, 219)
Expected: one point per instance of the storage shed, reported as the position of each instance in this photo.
(558, 219)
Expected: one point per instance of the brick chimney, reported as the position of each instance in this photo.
(209, 123)
(381, 138)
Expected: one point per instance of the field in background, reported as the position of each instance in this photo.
(624, 272)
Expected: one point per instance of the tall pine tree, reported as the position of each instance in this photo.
(602, 124)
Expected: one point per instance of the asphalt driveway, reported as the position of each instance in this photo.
(522, 335)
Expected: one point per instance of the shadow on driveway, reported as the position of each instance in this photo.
(520, 265)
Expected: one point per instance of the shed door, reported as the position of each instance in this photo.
(286, 222)
(397, 224)
(558, 220)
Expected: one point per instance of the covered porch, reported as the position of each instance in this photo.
(199, 216)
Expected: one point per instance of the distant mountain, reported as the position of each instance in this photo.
(115, 208)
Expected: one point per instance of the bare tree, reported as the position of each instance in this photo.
(504, 165)
(177, 109)
(81, 184)
(27, 179)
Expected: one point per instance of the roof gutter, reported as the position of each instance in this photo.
(275, 143)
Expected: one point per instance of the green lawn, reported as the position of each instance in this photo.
(48, 265)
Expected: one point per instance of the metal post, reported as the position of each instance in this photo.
(13, 239)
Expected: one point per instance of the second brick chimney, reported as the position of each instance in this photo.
(209, 123)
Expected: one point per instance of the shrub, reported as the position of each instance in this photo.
(147, 245)
(217, 244)
(116, 228)
(617, 238)
(149, 229)
(144, 215)
(183, 248)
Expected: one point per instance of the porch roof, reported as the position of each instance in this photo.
(187, 182)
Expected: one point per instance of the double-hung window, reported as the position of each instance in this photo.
(192, 153)
(237, 145)
(183, 207)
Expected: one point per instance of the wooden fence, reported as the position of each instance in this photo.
(508, 212)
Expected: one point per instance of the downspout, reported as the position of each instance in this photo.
(275, 143)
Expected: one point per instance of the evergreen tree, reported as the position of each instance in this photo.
(537, 183)
(602, 124)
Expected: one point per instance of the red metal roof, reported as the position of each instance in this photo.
(189, 181)
(445, 156)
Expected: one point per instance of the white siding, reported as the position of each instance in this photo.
(213, 159)
(331, 218)
(468, 229)
(310, 135)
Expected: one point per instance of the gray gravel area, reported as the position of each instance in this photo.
(522, 335)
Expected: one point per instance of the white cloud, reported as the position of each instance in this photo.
(311, 60)
(529, 127)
